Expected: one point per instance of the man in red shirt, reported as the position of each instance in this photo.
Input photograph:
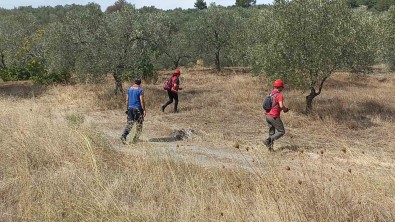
(173, 91)
(276, 126)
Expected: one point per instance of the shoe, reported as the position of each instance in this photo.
(163, 109)
(134, 141)
(268, 143)
(123, 139)
(175, 111)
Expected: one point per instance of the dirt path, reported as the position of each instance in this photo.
(160, 141)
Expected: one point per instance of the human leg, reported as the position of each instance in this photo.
(269, 142)
(170, 101)
(139, 118)
(279, 128)
(175, 96)
(128, 126)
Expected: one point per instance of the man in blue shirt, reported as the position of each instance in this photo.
(136, 111)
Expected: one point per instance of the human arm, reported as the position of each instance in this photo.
(176, 85)
(127, 101)
(142, 102)
(282, 107)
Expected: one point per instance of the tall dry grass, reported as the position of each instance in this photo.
(57, 166)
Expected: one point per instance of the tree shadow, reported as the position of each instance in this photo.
(176, 135)
(165, 139)
(355, 81)
(356, 117)
(292, 148)
(22, 89)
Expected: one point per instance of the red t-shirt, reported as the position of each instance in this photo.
(275, 111)
(175, 80)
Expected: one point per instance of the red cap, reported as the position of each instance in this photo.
(177, 71)
(278, 83)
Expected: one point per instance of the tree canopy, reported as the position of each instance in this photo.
(303, 42)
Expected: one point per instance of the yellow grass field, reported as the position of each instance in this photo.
(61, 158)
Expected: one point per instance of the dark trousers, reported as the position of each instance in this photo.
(172, 96)
(276, 127)
(135, 116)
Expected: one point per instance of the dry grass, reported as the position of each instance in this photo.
(337, 165)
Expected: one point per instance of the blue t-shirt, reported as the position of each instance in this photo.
(134, 94)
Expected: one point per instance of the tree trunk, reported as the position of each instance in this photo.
(309, 101)
(177, 62)
(217, 60)
(2, 63)
(118, 83)
(217, 53)
(313, 94)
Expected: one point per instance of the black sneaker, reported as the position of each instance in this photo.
(123, 139)
(163, 109)
(268, 143)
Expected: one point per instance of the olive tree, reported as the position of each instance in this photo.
(200, 4)
(19, 32)
(166, 34)
(245, 3)
(309, 40)
(74, 45)
(90, 37)
(389, 38)
(251, 31)
(212, 33)
(124, 44)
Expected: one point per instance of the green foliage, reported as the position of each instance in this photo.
(379, 5)
(252, 28)
(117, 6)
(389, 38)
(75, 119)
(46, 78)
(13, 74)
(245, 3)
(300, 41)
(166, 35)
(383, 5)
(34, 70)
(200, 4)
(212, 33)
(146, 70)
(310, 39)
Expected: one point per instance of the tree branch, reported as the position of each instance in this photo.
(321, 85)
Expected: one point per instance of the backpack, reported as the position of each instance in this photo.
(268, 102)
(168, 84)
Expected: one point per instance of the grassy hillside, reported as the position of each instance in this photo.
(61, 158)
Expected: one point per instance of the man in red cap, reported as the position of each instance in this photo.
(172, 92)
(276, 126)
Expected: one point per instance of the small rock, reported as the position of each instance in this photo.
(313, 155)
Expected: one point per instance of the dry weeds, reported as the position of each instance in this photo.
(337, 165)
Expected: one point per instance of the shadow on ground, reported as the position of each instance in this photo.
(176, 135)
(288, 148)
(164, 139)
(22, 89)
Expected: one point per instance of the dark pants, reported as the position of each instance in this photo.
(276, 127)
(134, 116)
(172, 96)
